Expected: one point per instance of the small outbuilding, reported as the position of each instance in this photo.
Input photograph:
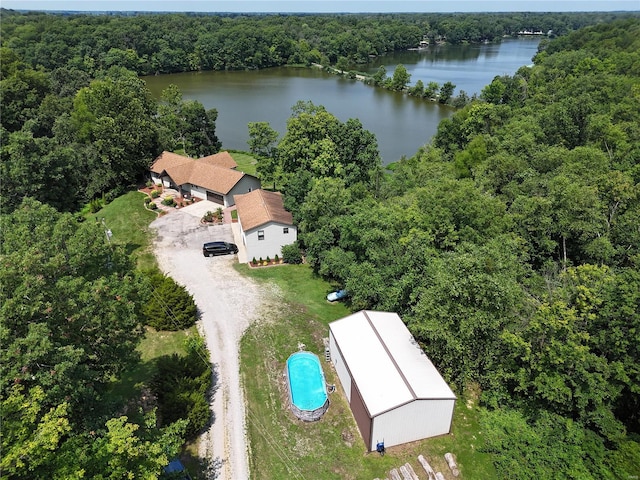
(395, 393)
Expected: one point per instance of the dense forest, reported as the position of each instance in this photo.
(161, 43)
(510, 244)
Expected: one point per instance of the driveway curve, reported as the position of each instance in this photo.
(228, 303)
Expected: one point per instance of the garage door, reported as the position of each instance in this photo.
(215, 197)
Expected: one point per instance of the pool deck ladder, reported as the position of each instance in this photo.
(327, 351)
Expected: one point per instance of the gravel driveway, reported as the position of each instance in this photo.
(228, 302)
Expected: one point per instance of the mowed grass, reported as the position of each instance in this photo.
(129, 220)
(281, 446)
(246, 162)
(155, 344)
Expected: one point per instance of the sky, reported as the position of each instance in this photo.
(326, 6)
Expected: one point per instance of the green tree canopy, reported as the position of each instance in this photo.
(262, 143)
(114, 116)
(400, 78)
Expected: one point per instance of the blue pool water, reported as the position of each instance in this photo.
(306, 381)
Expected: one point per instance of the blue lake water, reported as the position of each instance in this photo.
(401, 124)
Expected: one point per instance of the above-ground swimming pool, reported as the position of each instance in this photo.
(307, 388)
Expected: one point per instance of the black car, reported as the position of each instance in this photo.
(219, 248)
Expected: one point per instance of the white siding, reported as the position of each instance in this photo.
(274, 240)
(413, 421)
(340, 366)
(198, 192)
(405, 395)
(246, 184)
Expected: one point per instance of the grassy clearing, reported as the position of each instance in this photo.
(129, 222)
(246, 162)
(154, 344)
(332, 448)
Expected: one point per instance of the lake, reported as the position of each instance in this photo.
(401, 124)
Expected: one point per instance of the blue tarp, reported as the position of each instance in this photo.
(175, 466)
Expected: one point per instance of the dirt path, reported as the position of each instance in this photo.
(228, 302)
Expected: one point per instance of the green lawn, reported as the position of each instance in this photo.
(154, 344)
(129, 220)
(246, 162)
(282, 446)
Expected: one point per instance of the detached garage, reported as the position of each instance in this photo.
(395, 392)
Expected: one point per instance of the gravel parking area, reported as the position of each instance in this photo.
(228, 303)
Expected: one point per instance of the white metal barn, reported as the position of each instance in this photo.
(395, 392)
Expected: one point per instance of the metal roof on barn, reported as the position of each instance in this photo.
(386, 363)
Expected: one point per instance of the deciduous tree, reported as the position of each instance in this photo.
(262, 143)
(400, 79)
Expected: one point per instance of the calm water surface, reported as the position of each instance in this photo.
(402, 124)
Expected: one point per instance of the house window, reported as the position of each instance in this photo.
(260, 234)
(285, 230)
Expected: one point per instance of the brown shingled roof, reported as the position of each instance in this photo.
(220, 159)
(259, 207)
(168, 159)
(214, 178)
(207, 172)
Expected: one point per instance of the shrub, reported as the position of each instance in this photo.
(268, 259)
(155, 193)
(115, 192)
(291, 253)
(254, 261)
(149, 184)
(170, 306)
(208, 217)
(182, 385)
(277, 259)
(95, 205)
(168, 201)
(147, 200)
(153, 206)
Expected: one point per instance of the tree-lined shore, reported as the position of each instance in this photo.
(509, 243)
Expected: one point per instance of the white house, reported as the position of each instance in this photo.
(265, 225)
(213, 178)
(395, 392)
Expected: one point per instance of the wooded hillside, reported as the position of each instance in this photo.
(510, 245)
(167, 43)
